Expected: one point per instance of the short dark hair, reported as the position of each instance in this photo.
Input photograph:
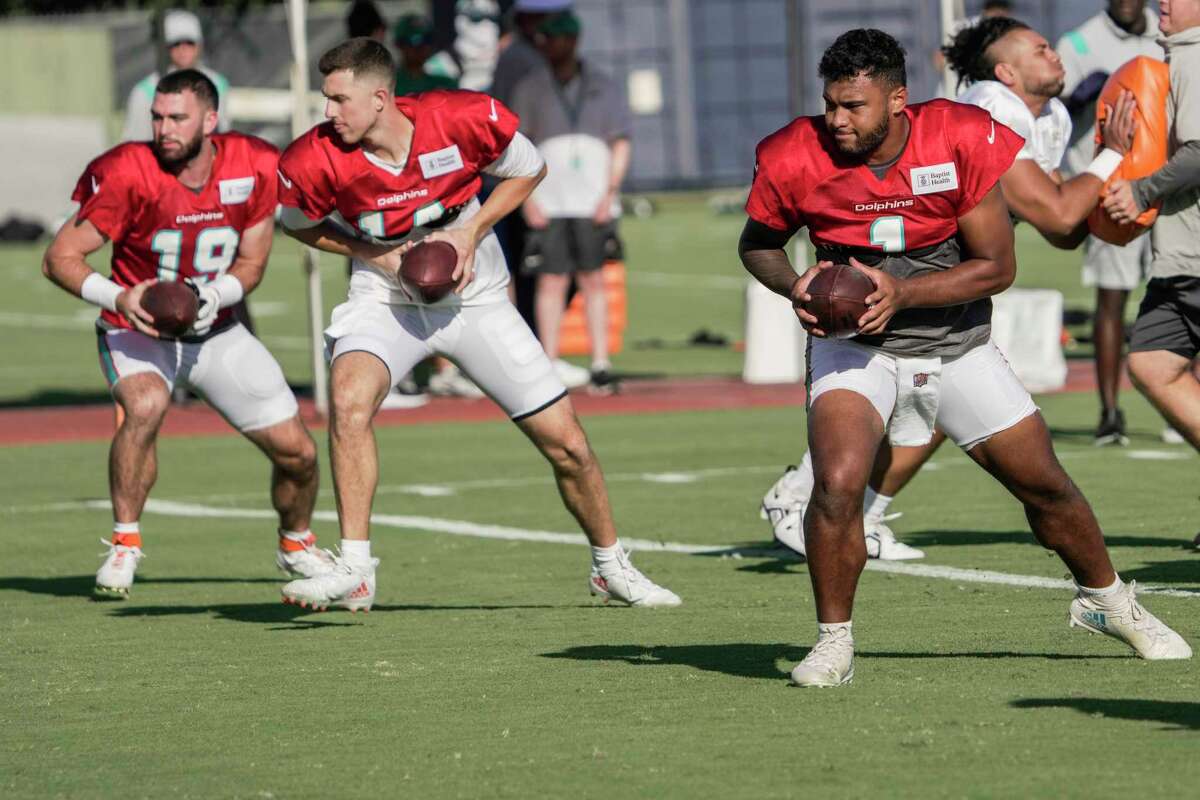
(192, 80)
(967, 53)
(361, 56)
(864, 51)
(998, 5)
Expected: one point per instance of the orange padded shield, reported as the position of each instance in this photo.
(1148, 79)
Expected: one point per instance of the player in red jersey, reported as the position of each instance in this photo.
(909, 195)
(382, 173)
(199, 207)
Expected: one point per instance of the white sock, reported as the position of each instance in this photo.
(1102, 594)
(294, 536)
(875, 504)
(357, 551)
(606, 555)
(828, 629)
(801, 479)
(126, 527)
(601, 364)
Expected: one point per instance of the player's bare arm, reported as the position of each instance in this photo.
(326, 237)
(761, 249)
(988, 267)
(504, 199)
(65, 264)
(1058, 210)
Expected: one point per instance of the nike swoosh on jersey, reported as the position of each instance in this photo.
(493, 116)
(95, 185)
(992, 133)
(286, 182)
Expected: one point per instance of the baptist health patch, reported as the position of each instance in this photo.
(935, 178)
(236, 190)
(441, 162)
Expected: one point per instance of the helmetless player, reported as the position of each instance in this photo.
(382, 173)
(1010, 70)
(198, 206)
(924, 355)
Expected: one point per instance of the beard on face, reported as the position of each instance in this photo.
(868, 141)
(189, 151)
(1051, 87)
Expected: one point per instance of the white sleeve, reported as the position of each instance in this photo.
(519, 160)
(1004, 109)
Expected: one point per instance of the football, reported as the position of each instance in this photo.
(839, 299)
(429, 268)
(173, 305)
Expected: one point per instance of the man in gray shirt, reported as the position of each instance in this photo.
(1166, 336)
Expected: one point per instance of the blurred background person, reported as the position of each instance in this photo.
(413, 37)
(1124, 30)
(519, 53)
(578, 118)
(364, 19)
(183, 40)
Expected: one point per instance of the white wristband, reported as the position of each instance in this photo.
(229, 289)
(1105, 164)
(100, 291)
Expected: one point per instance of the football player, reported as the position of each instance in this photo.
(197, 206)
(380, 174)
(1010, 70)
(913, 191)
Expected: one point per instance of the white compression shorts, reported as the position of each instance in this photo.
(1112, 266)
(234, 372)
(980, 394)
(490, 343)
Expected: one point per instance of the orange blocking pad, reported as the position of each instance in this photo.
(1149, 81)
(573, 335)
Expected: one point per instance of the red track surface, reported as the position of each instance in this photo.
(95, 422)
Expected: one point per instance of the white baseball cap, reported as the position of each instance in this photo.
(181, 26)
(541, 6)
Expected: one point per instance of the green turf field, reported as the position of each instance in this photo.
(684, 276)
(485, 669)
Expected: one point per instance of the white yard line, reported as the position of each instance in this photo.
(463, 528)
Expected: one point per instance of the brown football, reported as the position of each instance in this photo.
(173, 306)
(429, 268)
(839, 299)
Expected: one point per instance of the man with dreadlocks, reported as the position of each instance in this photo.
(1011, 71)
(913, 191)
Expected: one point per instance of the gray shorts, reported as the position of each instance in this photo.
(1169, 317)
(1114, 266)
(567, 245)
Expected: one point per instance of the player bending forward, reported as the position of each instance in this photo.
(913, 190)
(1014, 73)
(382, 173)
(191, 206)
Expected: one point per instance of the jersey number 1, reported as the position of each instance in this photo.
(888, 233)
(215, 250)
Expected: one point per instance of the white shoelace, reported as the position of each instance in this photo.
(827, 654)
(112, 548)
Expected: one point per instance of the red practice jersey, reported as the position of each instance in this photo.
(162, 229)
(456, 135)
(954, 156)
(905, 222)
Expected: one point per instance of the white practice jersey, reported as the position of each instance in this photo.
(1046, 137)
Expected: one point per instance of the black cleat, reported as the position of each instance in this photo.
(1111, 429)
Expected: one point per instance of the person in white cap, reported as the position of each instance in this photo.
(184, 40)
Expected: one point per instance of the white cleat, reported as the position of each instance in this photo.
(346, 585)
(115, 576)
(1172, 436)
(450, 382)
(830, 662)
(1123, 617)
(621, 580)
(572, 376)
(882, 544)
(307, 563)
(783, 507)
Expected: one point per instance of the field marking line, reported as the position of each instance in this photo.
(506, 533)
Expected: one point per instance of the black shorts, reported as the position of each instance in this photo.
(567, 245)
(1169, 317)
